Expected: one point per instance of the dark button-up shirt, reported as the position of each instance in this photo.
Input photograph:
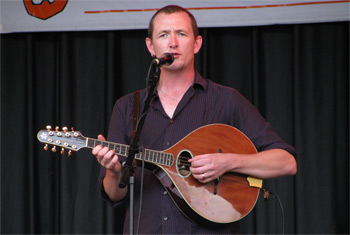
(205, 102)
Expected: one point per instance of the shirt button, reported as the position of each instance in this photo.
(171, 121)
(167, 143)
(165, 218)
(165, 192)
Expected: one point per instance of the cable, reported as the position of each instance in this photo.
(143, 160)
(141, 193)
(266, 197)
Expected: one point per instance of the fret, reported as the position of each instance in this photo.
(161, 157)
(163, 161)
(97, 142)
(91, 143)
(151, 156)
(144, 155)
(155, 159)
(147, 153)
(139, 156)
(117, 149)
(124, 150)
(111, 146)
(168, 160)
(156, 156)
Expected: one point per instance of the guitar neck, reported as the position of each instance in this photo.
(75, 141)
(152, 156)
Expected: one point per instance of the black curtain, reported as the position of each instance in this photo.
(297, 76)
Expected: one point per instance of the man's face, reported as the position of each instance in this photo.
(173, 33)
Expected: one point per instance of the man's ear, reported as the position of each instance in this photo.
(198, 44)
(149, 45)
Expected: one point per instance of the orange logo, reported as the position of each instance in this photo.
(44, 9)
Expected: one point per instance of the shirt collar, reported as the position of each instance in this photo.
(199, 81)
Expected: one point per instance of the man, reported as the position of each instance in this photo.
(184, 101)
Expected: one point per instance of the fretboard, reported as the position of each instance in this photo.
(153, 156)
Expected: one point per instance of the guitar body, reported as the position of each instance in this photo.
(233, 197)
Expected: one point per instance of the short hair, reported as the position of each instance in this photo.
(169, 10)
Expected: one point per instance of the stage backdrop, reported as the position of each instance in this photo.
(78, 15)
(297, 76)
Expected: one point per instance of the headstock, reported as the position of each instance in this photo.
(65, 139)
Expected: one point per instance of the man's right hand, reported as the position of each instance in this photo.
(107, 158)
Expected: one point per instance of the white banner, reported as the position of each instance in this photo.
(83, 15)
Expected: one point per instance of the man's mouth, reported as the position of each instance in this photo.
(175, 54)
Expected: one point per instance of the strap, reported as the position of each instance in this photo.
(136, 111)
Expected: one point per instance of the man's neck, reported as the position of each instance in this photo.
(171, 81)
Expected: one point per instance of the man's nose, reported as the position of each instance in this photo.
(173, 42)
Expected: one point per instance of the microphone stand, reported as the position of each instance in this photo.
(128, 169)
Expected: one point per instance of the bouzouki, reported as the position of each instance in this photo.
(224, 200)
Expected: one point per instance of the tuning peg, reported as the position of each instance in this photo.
(65, 129)
(46, 147)
(57, 128)
(53, 149)
(72, 128)
(69, 153)
(62, 151)
(48, 127)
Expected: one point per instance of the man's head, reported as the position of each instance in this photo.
(169, 10)
(174, 30)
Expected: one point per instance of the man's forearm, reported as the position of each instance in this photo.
(266, 164)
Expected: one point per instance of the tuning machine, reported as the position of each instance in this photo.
(69, 153)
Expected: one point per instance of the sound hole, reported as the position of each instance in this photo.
(182, 164)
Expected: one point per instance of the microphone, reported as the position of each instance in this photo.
(166, 59)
